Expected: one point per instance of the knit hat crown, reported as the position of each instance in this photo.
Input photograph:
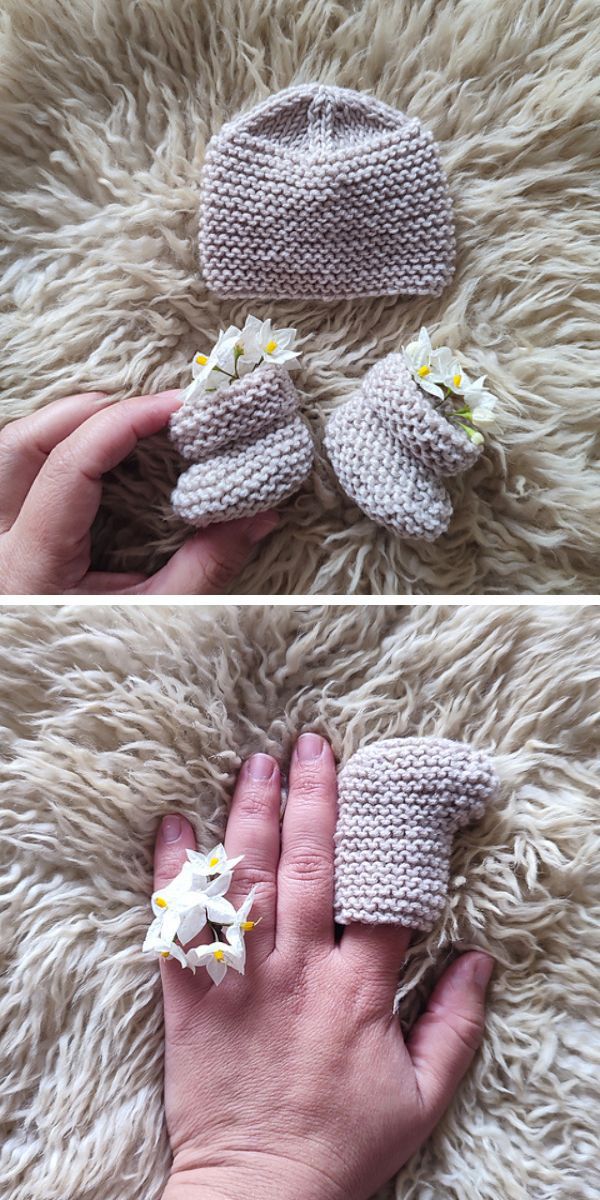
(322, 192)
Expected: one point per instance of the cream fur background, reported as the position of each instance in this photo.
(106, 108)
(113, 716)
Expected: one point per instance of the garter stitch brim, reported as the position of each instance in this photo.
(326, 193)
(400, 802)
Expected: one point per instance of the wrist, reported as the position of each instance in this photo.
(255, 1176)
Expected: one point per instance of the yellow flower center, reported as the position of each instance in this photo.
(423, 371)
(160, 902)
(218, 955)
(213, 862)
(271, 346)
(456, 380)
(202, 359)
(246, 925)
(165, 954)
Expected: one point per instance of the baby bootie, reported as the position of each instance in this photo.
(400, 803)
(390, 449)
(249, 447)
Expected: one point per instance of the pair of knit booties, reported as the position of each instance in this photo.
(325, 193)
(390, 449)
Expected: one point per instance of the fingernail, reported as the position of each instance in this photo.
(309, 747)
(171, 828)
(478, 967)
(261, 767)
(262, 524)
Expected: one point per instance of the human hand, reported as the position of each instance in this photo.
(294, 1080)
(51, 468)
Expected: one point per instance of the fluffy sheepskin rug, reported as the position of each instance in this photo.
(112, 717)
(107, 106)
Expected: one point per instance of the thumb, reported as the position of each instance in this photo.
(444, 1040)
(210, 560)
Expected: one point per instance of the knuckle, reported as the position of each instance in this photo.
(468, 1028)
(60, 462)
(309, 784)
(218, 572)
(253, 804)
(247, 877)
(12, 437)
(306, 866)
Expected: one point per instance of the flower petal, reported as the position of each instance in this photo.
(170, 925)
(175, 951)
(153, 935)
(191, 924)
(219, 910)
(217, 969)
(429, 386)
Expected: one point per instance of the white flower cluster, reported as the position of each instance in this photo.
(239, 351)
(438, 372)
(194, 899)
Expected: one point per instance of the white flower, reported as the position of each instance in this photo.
(216, 957)
(240, 925)
(184, 905)
(156, 943)
(481, 402)
(440, 373)
(215, 862)
(239, 351)
(261, 341)
(212, 369)
(419, 355)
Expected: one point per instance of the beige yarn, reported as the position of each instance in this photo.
(328, 193)
(249, 447)
(400, 802)
(389, 447)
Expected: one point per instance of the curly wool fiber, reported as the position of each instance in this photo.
(112, 717)
(400, 802)
(325, 192)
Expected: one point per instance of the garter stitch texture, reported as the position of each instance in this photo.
(400, 802)
(328, 193)
(249, 447)
(389, 447)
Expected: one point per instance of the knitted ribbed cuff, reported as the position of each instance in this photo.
(400, 802)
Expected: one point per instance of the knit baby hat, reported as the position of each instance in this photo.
(400, 803)
(327, 193)
(390, 448)
(249, 447)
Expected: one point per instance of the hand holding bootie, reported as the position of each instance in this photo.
(400, 802)
(390, 449)
(249, 448)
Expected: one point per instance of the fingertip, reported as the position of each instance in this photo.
(260, 768)
(174, 837)
(473, 969)
(311, 749)
(262, 525)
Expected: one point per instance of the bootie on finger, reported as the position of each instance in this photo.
(400, 802)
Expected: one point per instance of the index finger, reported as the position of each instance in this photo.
(62, 502)
(26, 443)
